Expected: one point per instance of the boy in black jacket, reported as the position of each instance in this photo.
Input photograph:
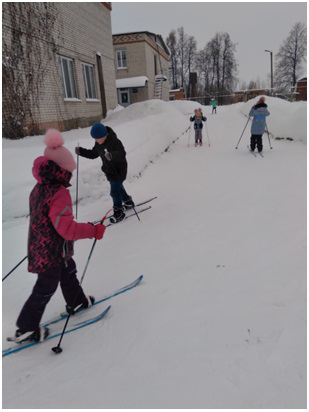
(115, 166)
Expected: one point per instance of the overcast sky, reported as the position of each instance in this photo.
(254, 26)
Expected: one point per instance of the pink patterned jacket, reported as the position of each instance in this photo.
(52, 228)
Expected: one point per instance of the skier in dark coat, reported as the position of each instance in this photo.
(259, 113)
(113, 155)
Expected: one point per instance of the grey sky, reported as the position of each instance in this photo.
(254, 26)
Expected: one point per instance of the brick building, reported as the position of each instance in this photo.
(301, 89)
(73, 42)
(177, 94)
(141, 66)
(245, 95)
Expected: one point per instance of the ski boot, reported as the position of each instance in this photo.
(34, 336)
(118, 216)
(81, 306)
(128, 204)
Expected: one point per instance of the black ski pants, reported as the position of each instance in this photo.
(31, 314)
(256, 140)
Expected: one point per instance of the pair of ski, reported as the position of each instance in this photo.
(255, 154)
(77, 326)
(132, 212)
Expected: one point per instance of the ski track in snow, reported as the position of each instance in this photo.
(219, 320)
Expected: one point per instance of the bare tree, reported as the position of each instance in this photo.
(221, 51)
(243, 85)
(215, 64)
(191, 56)
(28, 48)
(171, 42)
(290, 56)
(181, 53)
(203, 62)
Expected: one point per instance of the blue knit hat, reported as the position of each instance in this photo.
(98, 130)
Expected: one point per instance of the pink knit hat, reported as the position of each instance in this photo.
(261, 100)
(57, 152)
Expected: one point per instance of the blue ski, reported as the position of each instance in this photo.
(80, 325)
(117, 292)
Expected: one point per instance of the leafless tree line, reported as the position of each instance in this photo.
(290, 57)
(215, 65)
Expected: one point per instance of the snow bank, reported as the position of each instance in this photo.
(286, 120)
(147, 130)
(222, 306)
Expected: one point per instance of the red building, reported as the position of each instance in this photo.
(301, 89)
(177, 94)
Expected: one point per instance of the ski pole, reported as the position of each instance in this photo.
(189, 133)
(136, 213)
(77, 182)
(242, 133)
(57, 349)
(268, 135)
(14, 268)
(207, 135)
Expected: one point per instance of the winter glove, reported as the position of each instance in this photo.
(77, 150)
(99, 231)
(108, 155)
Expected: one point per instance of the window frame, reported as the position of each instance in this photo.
(121, 59)
(71, 78)
(87, 94)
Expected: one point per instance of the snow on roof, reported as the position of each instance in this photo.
(139, 81)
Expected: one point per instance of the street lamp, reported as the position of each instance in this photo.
(271, 70)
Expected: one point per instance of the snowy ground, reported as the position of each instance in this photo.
(219, 320)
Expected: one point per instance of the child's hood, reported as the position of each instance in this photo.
(46, 171)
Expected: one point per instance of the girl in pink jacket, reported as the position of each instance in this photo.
(52, 231)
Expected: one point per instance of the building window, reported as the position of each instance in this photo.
(88, 72)
(155, 65)
(68, 78)
(121, 59)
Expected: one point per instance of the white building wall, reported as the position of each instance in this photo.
(140, 51)
(81, 31)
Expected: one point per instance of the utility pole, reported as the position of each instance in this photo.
(271, 71)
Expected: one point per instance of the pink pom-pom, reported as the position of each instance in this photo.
(53, 138)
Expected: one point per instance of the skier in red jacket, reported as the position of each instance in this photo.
(52, 231)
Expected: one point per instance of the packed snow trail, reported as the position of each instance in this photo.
(219, 320)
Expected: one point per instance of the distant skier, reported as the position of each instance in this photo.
(113, 155)
(198, 120)
(213, 102)
(52, 231)
(259, 113)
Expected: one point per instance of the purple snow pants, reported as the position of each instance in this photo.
(46, 285)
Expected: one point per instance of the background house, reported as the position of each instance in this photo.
(177, 94)
(58, 66)
(245, 95)
(141, 66)
(301, 89)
